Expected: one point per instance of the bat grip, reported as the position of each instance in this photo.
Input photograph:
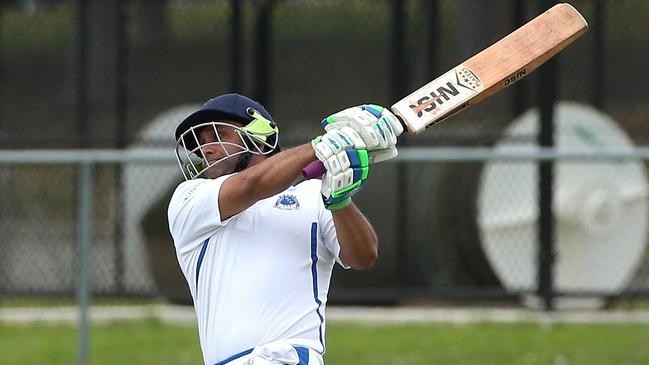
(313, 170)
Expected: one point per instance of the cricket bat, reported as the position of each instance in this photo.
(500, 65)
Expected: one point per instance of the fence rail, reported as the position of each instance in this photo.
(89, 162)
(406, 154)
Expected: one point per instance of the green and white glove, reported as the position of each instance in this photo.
(376, 125)
(343, 154)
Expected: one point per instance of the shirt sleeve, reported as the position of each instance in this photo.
(328, 232)
(194, 213)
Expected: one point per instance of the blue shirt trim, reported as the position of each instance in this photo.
(200, 261)
(234, 357)
(303, 355)
(314, 275)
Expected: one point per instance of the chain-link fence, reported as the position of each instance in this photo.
(121, 74)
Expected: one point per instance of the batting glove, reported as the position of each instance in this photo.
(376, 125)
(345, 158)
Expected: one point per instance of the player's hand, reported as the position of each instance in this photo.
(376, 125)
(343, 154)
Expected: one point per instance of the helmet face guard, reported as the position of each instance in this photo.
(258, 137)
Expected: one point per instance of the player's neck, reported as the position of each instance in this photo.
(255, 159)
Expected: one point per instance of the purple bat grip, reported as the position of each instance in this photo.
(313, 170)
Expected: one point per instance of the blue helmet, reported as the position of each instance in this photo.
(258, 133)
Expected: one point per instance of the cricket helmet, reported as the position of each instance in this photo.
(259, 133)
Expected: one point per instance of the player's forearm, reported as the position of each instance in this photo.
(278, 172)
(263, 179)
(358, 241)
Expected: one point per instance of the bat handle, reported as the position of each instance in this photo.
(313, 170)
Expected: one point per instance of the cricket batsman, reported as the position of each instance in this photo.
(256, 248)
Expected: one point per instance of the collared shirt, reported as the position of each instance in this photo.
(260, 276)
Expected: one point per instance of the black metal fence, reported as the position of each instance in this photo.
(120, 74)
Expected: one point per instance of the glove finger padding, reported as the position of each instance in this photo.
(384, 130)
(383, 155)
(381, 112)
(337, 189)
(331, 147)
(361, 121)
(376, 125)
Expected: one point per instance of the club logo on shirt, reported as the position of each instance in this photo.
(287, 202)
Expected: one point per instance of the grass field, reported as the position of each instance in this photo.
(150, 342)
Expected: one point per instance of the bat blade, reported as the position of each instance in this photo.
(493, 69)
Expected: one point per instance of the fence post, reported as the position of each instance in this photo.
(519, 104)
(433, 35)
(82, 70)
(85, 218)
(263, 56)
(397, 87)
(236, 49)
(83, 180)
(599, 55)
(546, 98)
(121, 138)
(2, 137)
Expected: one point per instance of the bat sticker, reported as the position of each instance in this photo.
(446, 92)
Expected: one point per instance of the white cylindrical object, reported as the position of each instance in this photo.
(600, 207)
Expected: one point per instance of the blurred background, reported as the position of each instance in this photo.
(456, 221)
(535, 199)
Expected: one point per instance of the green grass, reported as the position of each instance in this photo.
(489, 343)
(150, 342)
(142, 342)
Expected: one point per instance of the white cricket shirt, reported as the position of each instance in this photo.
(260, 276)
